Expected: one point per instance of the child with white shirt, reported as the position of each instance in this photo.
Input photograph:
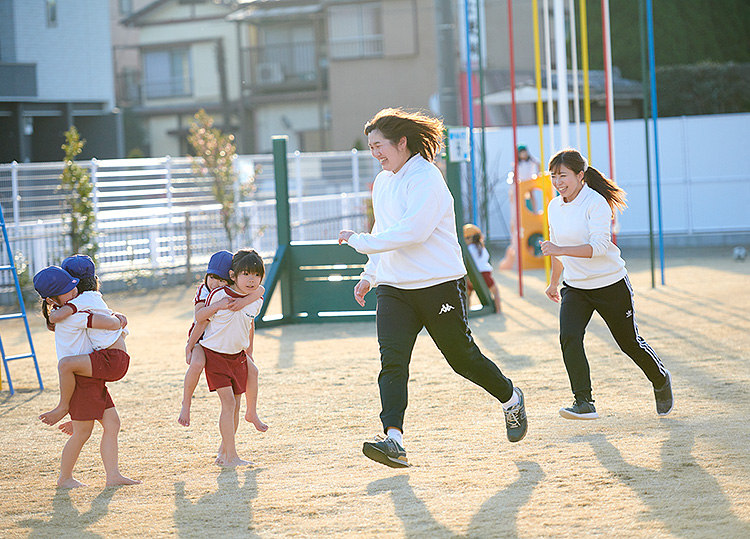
(481, 256)
(110, 360)
(89, 399)
(228, 345)
(593, 278)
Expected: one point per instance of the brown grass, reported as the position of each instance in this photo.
(630, 474)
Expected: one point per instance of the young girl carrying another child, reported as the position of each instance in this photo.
(228, 345)
(83, 372)
(217, 275)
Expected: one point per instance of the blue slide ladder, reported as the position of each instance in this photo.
(22, 314)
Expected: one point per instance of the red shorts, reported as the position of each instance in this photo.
(89, 399)
(109, 364)
(226, 370)
(487, 279)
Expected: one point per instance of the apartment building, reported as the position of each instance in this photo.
(56, 71)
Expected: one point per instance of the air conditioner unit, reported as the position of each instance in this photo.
(269, 73)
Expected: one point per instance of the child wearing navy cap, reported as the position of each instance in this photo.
(217, 276)
(83, 393)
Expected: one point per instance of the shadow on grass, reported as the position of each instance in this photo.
(224, 513)
(497, 517)
(681, 494)
(66, 520)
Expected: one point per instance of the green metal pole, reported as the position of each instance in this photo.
(283, 226)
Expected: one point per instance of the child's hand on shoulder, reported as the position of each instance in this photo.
(122, 318)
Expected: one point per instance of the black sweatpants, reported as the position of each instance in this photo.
(614, 303)
(401, 315)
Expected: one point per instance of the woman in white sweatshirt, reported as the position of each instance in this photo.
(594, 279)
(415, 262)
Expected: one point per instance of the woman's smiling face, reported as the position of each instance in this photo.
(391, 156)
(567, 182)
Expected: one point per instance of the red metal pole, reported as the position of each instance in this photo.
(516, 181)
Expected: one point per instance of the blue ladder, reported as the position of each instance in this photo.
(12, 268)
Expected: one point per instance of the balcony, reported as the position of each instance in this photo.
(291, 67)
(17, 80)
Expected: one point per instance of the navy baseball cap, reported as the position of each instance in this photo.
(220, 264)
(79, 266)
(53, 281)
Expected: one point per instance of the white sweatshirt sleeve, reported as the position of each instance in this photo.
(423, 214)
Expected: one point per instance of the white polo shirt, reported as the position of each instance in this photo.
(228, 332)
(92, 302)
(70, 335)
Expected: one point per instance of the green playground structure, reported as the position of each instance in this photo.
(316, 278)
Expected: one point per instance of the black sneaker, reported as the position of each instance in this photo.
(386, 451)
(516, 424)
(664, 398)
(580, 410)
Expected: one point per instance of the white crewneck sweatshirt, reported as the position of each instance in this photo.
(413, 243)
(586, 220)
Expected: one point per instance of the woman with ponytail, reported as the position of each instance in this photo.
(593, 279)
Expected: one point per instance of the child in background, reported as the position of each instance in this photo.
(475, 243)
(90, 399)
(217, 275)
(227, 343)
(112, 361)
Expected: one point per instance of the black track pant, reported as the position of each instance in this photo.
(614, 303)
(401, 315)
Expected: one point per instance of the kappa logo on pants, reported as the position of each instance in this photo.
(446, 307)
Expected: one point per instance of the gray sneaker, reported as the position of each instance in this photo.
(516, 424)
(386, 451)
(664, 397)
(580, 410)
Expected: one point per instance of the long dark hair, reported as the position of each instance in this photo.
(573, 160)
(424, 134)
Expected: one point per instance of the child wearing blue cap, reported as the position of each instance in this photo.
(217, 276)
(83, 393)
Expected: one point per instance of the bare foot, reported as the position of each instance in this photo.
(53, 416)
(255, 420)
(122, 480)
(184, 418)
(70, 483)
(66, 428)
(233, 463)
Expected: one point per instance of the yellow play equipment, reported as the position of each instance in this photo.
(535, 194)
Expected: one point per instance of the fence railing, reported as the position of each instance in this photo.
(156, 216)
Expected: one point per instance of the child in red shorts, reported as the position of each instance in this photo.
(89, 399)
(475, 243)
(109, 360)
(217, 275)
(227, 344)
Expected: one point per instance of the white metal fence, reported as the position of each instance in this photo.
(154, 216)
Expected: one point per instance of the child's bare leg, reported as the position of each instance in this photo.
(496, 297)
(192, 377)
(251, 396)
(81, 433)
(227, 422)
(66, 428)
(109, 450)
(67, 368)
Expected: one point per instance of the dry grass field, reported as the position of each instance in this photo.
(630, 474)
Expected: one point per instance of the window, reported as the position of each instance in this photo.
(355, 31)
(167, 73)
(51, 13)
(126, 7)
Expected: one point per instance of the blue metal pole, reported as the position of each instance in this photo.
(655, 116)
(470, 99)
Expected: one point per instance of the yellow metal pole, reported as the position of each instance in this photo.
(546, 191)
(585, 69)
